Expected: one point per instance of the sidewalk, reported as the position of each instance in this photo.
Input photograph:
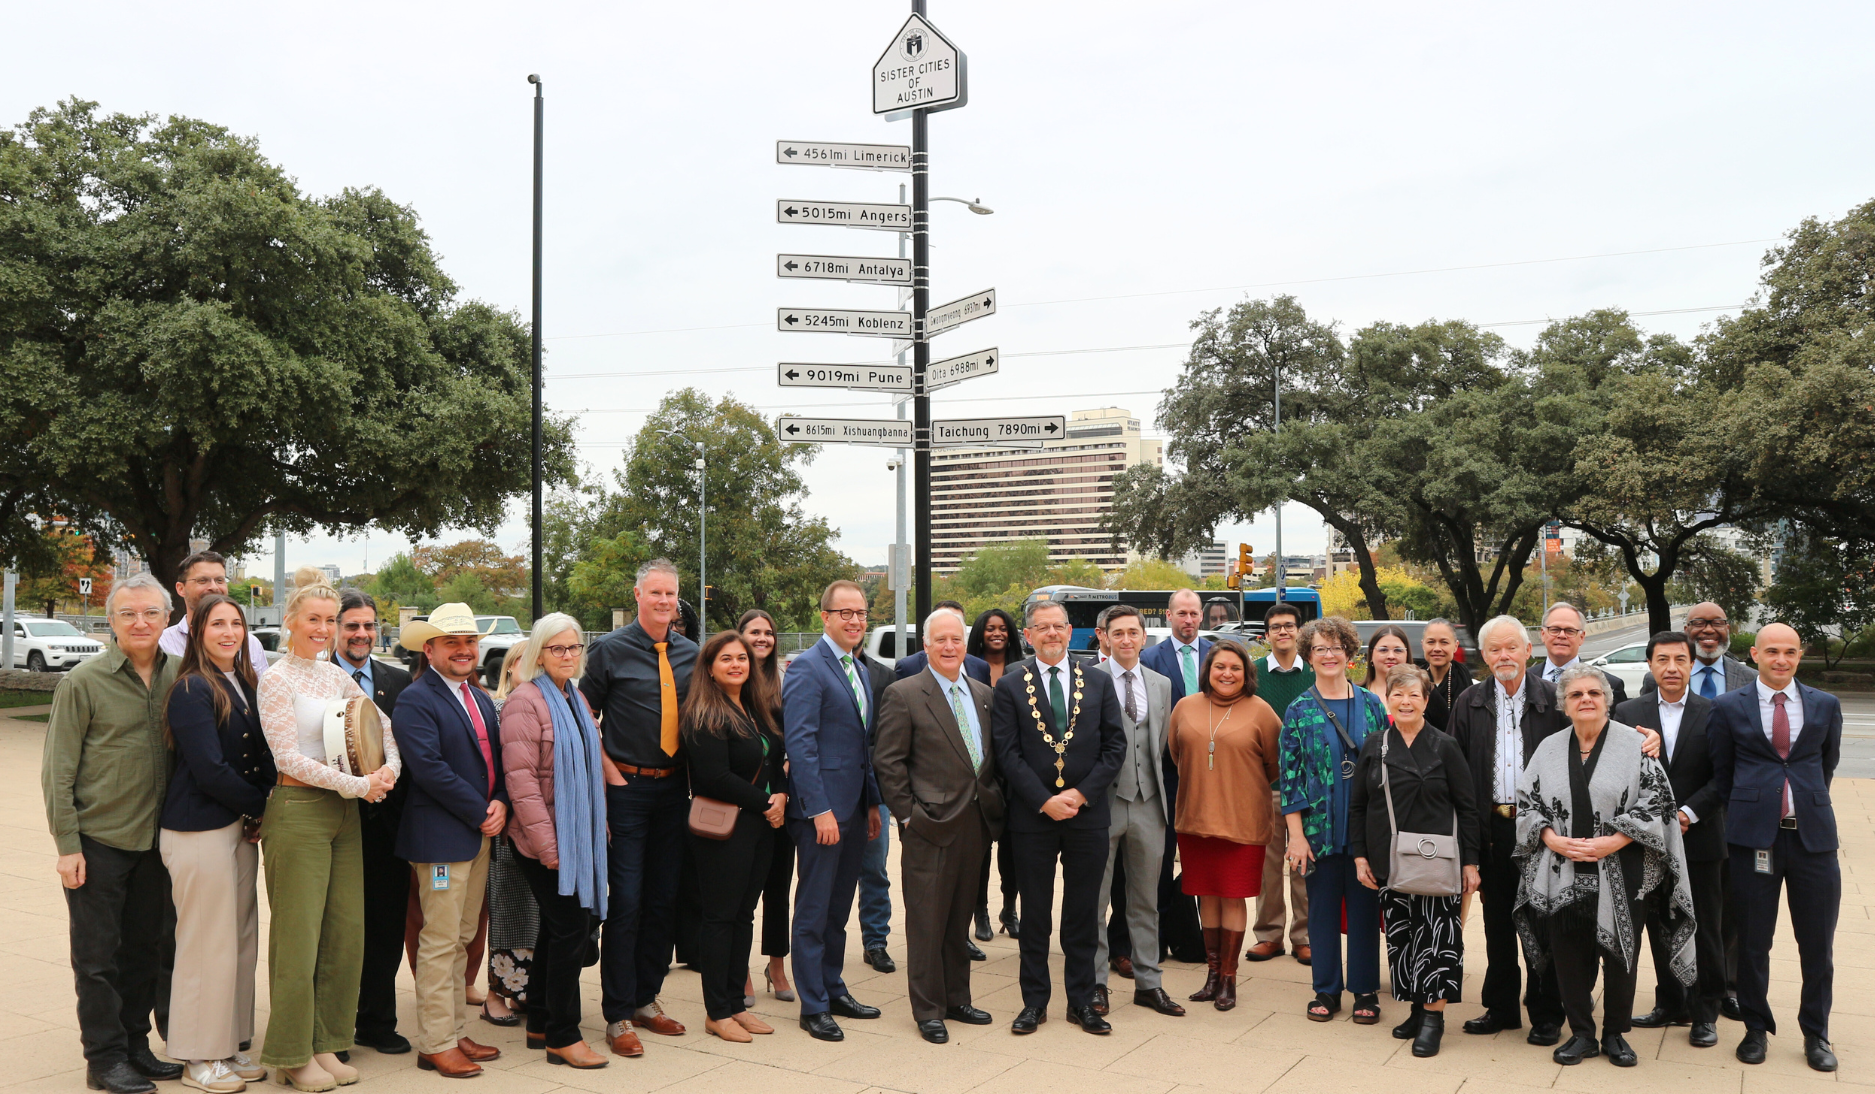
(1264, 1045)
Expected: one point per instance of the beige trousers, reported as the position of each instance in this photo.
(1269, 911)
(211, 995)
(450, 919)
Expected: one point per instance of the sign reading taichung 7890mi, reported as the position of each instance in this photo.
(920, 69)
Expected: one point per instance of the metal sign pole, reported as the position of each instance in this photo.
(898, 550)
(540, 116)
(6, 624)
(921, 346)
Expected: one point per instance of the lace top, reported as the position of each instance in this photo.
(293, 679)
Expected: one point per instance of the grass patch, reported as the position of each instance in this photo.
(31, 717)
(24, 698)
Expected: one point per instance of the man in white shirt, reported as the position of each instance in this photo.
(1564, 631)
(204, 572)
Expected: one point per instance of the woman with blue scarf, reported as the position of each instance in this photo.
(556, 776)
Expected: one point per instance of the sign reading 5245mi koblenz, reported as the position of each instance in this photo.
(920, 69)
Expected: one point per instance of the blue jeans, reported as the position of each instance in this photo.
(648, 819)
(1331, 880)
(875, 888)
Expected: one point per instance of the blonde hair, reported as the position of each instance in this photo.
(510, 673)
(549, 626)
(309, 583)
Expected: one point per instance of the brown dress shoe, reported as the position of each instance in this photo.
(476, 1052)
(624, 1039)
(1263, 951)
(1123, 966)
(748, 1020)
(654, 1020)
(578, 1054)
(1303, 955)
(450, 1065)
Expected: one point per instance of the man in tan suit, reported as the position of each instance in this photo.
(937, 774)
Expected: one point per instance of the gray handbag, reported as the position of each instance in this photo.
(1420, 863)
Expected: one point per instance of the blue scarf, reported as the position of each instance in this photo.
(578, 800)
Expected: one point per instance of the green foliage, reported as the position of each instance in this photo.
(600, 581)
(1155, 573)
(1825, 588)
(1712, 571)
(399, 583)
(466, 588)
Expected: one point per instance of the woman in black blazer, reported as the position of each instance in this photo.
(210, 823)
(735, 753)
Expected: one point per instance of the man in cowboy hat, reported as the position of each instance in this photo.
(446, 729)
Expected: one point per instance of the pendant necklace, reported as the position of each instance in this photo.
(1210, 756)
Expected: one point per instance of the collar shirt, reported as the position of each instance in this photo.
(1120, 685)
(858, 678)
(957, 695)
(361, 673)
(1708, 678)
(105, 765)
(1509, 741)
(1793, 710)
(1552, 671)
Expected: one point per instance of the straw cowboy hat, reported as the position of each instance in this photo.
(446, 619)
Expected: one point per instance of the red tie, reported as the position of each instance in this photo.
(481, 736)
(1780, 740)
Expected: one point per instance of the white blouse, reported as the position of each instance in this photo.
(294, 679)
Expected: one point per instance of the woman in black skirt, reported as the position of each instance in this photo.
(758, 627)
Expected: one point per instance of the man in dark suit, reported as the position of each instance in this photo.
(1681, 718)
(974, 667)
(827, 715)
(387, 877)
(875, 882)
(447, 732)
(938, 775)
(1715, 670)
(1059, 745)
(1564, 631)
(1177, 659)
(1774, 751)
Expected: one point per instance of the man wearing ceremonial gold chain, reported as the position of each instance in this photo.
(1055, 725)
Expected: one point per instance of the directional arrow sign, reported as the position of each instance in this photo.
(952, 370)
(868, 157)
(945, 316)
(875, 324)
(844, 214)
(876, 271)
(882, 432)
(998, 432)
(851, 377)
(921, 69)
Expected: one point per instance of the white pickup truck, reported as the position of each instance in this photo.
(500, 633)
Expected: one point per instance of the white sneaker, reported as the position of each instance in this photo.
(243, 1065)
(212, 1076)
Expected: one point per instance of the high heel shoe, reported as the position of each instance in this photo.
(786, 995)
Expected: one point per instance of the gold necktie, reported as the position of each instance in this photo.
(667, 700)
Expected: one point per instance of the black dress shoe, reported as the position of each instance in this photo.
(1619, 1053)
(1730, 1008)
(1097, 1004)
(1653, 1019)
(1012, 924)
(968, 1015)
(1576, 1050)
(344, 1055)
(1409, 1029)
(1816, 1052)
(1751, 1049)
(148, 1066)
(390, 1044)
(984, 931)
(1545, 1034)
(1427, 1037)
(1028, 1020)
(1157, 999)
(1703, 1035)
(119, 1078)
(881, 960)
(1088, 1020)
(848, 1007)
(1488, 1023)
(822, 1027)
(934, 1031)
(975, 953)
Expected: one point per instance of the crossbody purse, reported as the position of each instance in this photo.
(1419, 863)
(712, 818)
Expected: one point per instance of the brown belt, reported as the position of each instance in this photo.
(1509, 812)
(644, 772)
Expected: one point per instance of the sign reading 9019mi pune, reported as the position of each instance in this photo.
(921, 69)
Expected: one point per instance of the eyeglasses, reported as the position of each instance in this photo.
(1276, 628)
(1322, 651)
(148, 615)
(1562, 632)
(1704, 623)
(847, 615)
(563, 651)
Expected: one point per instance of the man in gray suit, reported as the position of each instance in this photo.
(937, 773)
(1140, 810)
(1715, 670)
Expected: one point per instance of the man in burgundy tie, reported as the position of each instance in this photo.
(1774, 748)
(456, 803)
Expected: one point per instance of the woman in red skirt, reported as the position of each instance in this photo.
(1223, 740)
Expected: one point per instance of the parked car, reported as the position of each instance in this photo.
(1629, 662)
(499, 634)
(51, 645)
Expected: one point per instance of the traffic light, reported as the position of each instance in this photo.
(1232, 580)
(1245, 564)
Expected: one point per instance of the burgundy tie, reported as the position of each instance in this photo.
(481, 736)
(1780, 740)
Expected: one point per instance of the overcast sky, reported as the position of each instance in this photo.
(1505, 164)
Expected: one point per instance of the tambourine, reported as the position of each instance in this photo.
(348, 733)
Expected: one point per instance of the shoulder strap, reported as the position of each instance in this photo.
(1346, 741)
(1386, 785)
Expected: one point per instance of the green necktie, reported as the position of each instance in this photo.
(1189, 667)
(859, 697)
(1057, 700)
(963, 727)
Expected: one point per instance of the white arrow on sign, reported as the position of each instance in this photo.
(873, 324)
(874, 271)
(957, 312)
(866, 157)
(883, 432)
(844, 214)
(998, 432)
(953, 370)
(921, 69)
(851, 377)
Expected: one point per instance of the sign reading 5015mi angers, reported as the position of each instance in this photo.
(921, 69)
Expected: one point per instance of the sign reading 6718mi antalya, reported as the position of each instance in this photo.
(920, 69)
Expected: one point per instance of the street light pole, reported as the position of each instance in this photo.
(898, 551)
(921, 346)
(1282, 567)
(540, 116)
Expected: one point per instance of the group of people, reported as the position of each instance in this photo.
(610, 804)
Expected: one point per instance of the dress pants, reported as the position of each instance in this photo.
(1498, 877)
(648, 820)
(451, 917)
(1814, 879)
(875, 888)
(1575, 956)
(116, 932)
(937, 924)
(823, 900)
(387, 891)
(1006, 878)
(316, 937)
(212, 876)
(1270, 910)
(775, 897)
(731, 874)
(559, 954)
(1331, 881)
(1700, 1003)
(1135, 845)
(1082, 853)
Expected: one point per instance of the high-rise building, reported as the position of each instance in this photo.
(1207, 561)
(1061, 492)
(333, 576)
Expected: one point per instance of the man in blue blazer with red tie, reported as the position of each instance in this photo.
(1774, 746)
(827, 706)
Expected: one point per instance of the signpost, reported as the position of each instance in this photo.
(953, 370)
(844, 214)
(865, 157)
(876, 432)
(873, 271)
(1027, 432)
(920, 70)
(872, 324)
(851, 377)
(958, 312)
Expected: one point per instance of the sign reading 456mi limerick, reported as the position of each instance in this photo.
(866, 157)
(920, 69)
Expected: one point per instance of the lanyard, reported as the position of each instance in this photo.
(1347, 743)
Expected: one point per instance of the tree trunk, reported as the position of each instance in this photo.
(1363, 557)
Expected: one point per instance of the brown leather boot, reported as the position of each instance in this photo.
(450, 1065)
(1227, 971)
(476, 1052)
(1209, 991)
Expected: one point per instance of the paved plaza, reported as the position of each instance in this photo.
(1265, 1044)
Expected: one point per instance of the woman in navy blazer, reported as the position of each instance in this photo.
(210, 824)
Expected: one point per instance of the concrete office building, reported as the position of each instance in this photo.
(1061, 492)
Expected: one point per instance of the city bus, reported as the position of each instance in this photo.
(1224, 609)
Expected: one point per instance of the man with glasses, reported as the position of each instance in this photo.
(1281, 676)
(1715, 670)
(1563, 633)
(205, 572)
(827, 712)
(104, 771)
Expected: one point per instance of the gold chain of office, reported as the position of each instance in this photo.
(1061, 746)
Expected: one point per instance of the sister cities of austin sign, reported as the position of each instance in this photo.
(920, 69)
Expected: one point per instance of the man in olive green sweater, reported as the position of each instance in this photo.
(104, 773)
(1281, 676)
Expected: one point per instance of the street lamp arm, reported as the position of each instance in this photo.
(975, 206)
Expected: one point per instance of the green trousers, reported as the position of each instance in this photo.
(316, 937)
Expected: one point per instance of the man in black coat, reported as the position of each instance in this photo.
(1680, 717)
(1059, 743)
